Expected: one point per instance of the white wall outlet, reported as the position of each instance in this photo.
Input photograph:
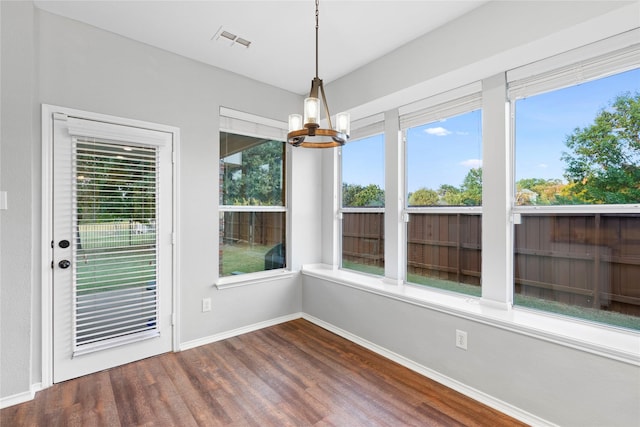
(206, 304)
(461, 339)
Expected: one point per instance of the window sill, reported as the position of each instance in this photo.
(252, 278)
(619, 344)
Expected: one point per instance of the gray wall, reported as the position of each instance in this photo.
(488, 40)
(53, 60)
(19, 175)
(556, 383)
(553, 382)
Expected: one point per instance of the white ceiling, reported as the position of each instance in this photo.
(352, 33)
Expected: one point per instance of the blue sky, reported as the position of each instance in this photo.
(443, 152)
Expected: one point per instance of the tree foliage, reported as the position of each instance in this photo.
(257, 181)
(102, 194)
(468, 194)
(354, 195)
(471, 188)
(603, 159)
(424, 197)
(538, 191)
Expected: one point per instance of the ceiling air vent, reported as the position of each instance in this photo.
(226, 36)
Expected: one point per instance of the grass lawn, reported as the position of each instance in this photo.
(114, 270)
(243, 258)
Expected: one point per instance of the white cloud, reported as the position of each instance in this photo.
(472, 163)
(543, 165)
(438, 131)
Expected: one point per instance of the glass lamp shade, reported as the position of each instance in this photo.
(311, 111)
(343, 123)
(295, 122)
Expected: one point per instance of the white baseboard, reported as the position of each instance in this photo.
(239, 331)
(16, 399)
(471, 392)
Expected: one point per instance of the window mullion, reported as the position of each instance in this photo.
(497, 260)
(394, 226)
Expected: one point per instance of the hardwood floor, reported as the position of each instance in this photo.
(292, 374)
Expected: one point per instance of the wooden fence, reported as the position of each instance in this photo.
(589, 260)
(257, 228)
(363, 238)
(445, 246)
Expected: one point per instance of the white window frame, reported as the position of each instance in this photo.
(360, 129)
(592, 62)
(495, 307)
(242, 123)
(453, 103)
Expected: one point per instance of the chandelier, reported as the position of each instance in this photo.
(309, 133)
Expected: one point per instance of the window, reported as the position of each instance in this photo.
(363, 205)
(253, 211)
(577, 169)
(444, 195)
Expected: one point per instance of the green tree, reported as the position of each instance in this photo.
(472, 188)
(450, 195)
(424, 197)
(258, 180)
(603, 159)
(538, 191)
(354, 195)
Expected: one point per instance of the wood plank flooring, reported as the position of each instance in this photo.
(292, 374)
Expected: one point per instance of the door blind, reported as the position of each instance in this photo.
(115, 251)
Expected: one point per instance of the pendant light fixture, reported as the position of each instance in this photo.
(309, 133)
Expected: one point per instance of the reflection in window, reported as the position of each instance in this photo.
(252, 203)
(363, 205)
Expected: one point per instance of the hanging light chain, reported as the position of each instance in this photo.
(317, 26)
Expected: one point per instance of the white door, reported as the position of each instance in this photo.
(111, 245)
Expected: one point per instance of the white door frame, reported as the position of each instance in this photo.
(47, 230)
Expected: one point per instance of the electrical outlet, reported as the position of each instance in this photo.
(206, 304)
(461, 339)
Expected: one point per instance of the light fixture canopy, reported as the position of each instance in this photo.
(308, 133)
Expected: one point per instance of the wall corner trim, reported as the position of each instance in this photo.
(18, 398)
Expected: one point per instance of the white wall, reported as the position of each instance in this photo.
(53, 60)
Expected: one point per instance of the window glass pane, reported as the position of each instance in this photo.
(579, 145)
(363, 242)
(252, 238)
(251, 171)
(444, 168)
(444, 162)
(363, 188)
(363, 173)
(581, 265)
(444, 251)
(251, 242)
